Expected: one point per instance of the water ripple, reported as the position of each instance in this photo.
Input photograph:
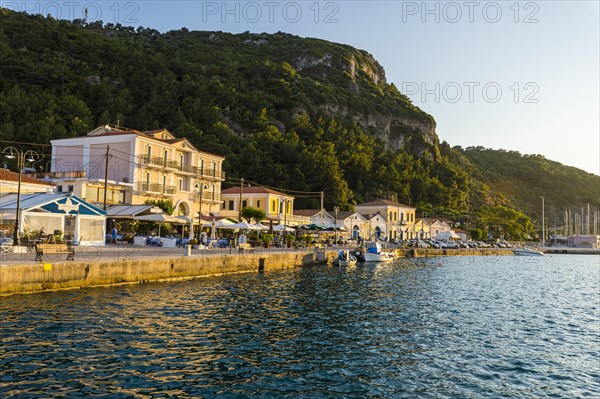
(472, 328)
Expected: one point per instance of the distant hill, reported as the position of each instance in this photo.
(523, 179)
(301, 114)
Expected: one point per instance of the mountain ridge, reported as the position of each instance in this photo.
(301, 113)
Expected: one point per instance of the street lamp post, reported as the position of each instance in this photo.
(201, 187)
(336, 210)
(21, 158)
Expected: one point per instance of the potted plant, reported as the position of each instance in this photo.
(289, 239)
(266, 239)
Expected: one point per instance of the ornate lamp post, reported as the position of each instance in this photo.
(29, 156)
(200, 186)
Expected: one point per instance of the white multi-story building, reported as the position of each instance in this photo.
(141, 166)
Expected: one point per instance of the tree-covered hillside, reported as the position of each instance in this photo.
(301, 114)
(523, 179)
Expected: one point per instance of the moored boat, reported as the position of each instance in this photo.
(344, 258)
(375, 254)
(526, 252)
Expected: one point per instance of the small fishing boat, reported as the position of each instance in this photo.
(375, 254)
(526, 252)
(344, 258)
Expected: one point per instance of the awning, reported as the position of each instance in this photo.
(160, 218)
(130, 211)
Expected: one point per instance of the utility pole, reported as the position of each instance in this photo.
(106, 174)
(322, 207)
(241, 194)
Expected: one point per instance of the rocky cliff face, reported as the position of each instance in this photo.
(390, 129)
(359, 72)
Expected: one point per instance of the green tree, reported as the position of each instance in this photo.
(250, 214)
(166, 205)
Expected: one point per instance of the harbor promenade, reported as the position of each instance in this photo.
(126, 264)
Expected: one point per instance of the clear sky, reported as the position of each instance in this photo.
(515, 75)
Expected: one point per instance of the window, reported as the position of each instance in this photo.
(258, 204)
(244, 204)
(60, 189)
(149, 151)
(180, 184)
(91, 229)
(164, 183)
(70, 189)
(147, 180)
(231, 205)
(274, 206)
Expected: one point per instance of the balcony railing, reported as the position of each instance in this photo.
(82, 174)
(209, 173)
(205, 173)
(156, 188)
(206, 197)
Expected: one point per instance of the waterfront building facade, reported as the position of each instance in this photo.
(397, 220)
(354, 224)
(276, 205)
(77, 220)
(149, 165)
(315, 216)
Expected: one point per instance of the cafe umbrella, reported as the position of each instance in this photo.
(160, 218)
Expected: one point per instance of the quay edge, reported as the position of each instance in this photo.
(44, 277)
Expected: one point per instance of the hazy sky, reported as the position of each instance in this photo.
(516, 75)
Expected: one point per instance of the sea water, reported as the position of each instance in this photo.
(457, 327)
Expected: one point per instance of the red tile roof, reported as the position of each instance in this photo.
(253, 190)
(383, 202)
(7, 175)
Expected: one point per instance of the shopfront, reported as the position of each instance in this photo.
(40, 214)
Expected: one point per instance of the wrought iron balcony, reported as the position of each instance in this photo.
(207, 196)
(156, 188)
(82, 174)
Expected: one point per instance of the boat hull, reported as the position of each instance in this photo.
(527, 252)
(343, 263)
(380, 257)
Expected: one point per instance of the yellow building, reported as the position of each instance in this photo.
(276, 205)
(141, 166)
(396, 220)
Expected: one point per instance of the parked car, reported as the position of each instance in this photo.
(433, 244)
(462, 244)
(450, 245)
(440, 244)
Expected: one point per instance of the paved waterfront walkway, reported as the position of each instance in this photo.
(121, 252)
